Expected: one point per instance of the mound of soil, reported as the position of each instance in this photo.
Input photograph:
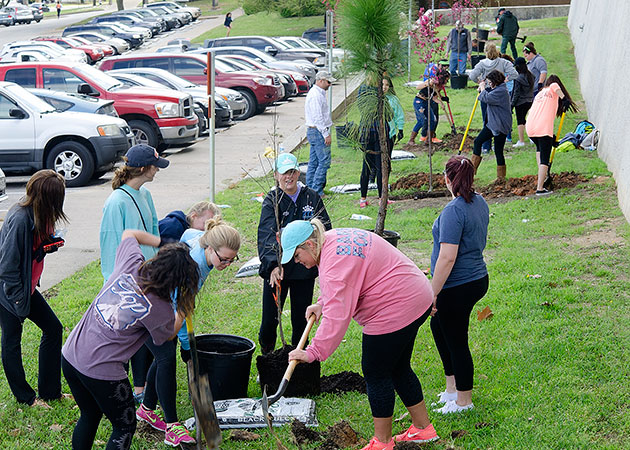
(450, 142)
(343, 382)
(304, 381)
(418, 184)
(340, 435)
(302, 434)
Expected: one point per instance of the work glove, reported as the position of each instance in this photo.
(565, 104)
(444, 98)
(401, 135)
(554, 143)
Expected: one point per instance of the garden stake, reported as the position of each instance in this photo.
(472, 113)
(548, 184)
(453, 129)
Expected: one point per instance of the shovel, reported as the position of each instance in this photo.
(472, 114)
(453, 129)
(268, 401)
(201, 395)
(548, 183)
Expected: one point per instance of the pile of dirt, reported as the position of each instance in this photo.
(417, 184)
(343, 382)
(303, 435)
(304, 381)
(450, 142)
(340, 435)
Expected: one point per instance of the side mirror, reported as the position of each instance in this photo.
(86, 89)
(271, 50)
(17, 113)
(205, 71)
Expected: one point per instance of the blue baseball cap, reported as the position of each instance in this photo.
(292, 236)
(142, 155)
(286, 162)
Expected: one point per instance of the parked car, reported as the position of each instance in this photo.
(298, 42)
(107, 29)
(305, 68)
(222, 111)
(317, 35)
(156, 118)
(76, 145)
(160, 22)
(43, 6)
(17, 56)
(130, 22)
(172, 20)
(68, 101)
(258, 91)
(289, 89)
(94, 53)
(119, 46)
(50, 48)
(3, 187)
(107, 49)
(194, 12)
(183, 18)
(301, 81)
(38, 13)
(6, 18)
(20, 13)
(268, 45)
(237, 103)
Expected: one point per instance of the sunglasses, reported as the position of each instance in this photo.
(225, 260)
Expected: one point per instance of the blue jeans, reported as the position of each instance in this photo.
(512, 42)
(318, 162)
(457, 63)
(422, 115)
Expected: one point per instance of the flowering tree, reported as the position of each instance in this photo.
(465, 10)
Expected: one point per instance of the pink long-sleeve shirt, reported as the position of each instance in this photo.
(363, 277)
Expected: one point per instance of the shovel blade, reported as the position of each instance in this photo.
(201, 397)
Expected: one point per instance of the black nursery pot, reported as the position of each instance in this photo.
(390, 236)
(304, 381)
(342, 136)
(459, 81)
(474, 59)
(482, 35)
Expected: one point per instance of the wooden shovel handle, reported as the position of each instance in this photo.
(307, 330)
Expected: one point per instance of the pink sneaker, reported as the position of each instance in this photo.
(375, 444)
(363, 203)
(151, 417)
(419, 435)
(177, 434)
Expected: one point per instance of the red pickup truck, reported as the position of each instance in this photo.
(158, 118)
(259, 90)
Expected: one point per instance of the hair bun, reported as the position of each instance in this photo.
(214, 222)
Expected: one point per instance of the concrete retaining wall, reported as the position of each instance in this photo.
(487, 16)
(600, 37)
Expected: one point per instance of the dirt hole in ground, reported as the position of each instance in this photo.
(416, 185)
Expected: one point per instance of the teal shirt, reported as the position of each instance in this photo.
(120, 214)
(198, 254)
(398, 121)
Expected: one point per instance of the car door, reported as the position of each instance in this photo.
(18, 134)
(61, 80)
(191, 69)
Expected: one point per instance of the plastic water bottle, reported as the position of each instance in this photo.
(281, 147)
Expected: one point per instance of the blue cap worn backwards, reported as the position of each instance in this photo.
(292, 236)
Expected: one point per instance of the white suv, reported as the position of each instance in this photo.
(76, 145)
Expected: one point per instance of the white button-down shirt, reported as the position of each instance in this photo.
(316, 111)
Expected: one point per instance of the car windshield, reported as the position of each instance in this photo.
(223, 67)
(236, 65)
(101, 78)
(176, 81)
(32, 100)
(74, 42)
(248, 65)
(281, 45)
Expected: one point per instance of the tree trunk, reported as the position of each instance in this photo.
(385, 160)
(120, 5)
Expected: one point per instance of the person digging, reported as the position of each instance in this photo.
(363, 277)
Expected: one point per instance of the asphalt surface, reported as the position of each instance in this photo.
(239, 152)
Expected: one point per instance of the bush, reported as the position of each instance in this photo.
(300, 8)
(255, 6)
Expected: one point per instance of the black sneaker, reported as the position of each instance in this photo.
(543, 193)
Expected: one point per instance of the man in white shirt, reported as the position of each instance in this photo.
(318, 126)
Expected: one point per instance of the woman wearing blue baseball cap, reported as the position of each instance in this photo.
(130, 207)
(293, 201)
(363, 277)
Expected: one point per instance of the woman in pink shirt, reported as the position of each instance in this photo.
(363, 277)
(548, 104)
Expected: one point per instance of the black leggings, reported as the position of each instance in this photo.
(450, 329)
(140, 363)
(543, 146)
(499, 143)
(162, 380)
(49, 374)
(521, 112)
(95, 398)
(301, 298)
(386, 364)
(372, 165)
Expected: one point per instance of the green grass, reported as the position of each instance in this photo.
(551, 365)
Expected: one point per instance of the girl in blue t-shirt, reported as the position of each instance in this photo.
(460, 279)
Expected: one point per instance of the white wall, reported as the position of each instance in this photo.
(601, 37)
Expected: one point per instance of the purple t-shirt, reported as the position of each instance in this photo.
(119, 321)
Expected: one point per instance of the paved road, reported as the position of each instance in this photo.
(185, 181)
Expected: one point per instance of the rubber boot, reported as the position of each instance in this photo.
(412, 138)
(476, 160)
(501, 170)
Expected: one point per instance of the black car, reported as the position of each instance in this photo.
(134, 40)
(148, 14)
(154, 26)
(268, 45)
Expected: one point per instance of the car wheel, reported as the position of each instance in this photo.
(28, 22)
(202, 122)
(252, 104)
(73, 161)
(144, 133)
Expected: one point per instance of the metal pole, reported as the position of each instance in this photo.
(210, 90)
(409, 44)
(329, 39)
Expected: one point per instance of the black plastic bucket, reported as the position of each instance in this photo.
(459, 81)
(482, 35)
(474, 59)
(227, 360)
(342, 136)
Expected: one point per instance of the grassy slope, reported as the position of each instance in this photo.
(546, 377)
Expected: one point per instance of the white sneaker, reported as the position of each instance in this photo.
(519, 144)
(444, 397)
(452, 407)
